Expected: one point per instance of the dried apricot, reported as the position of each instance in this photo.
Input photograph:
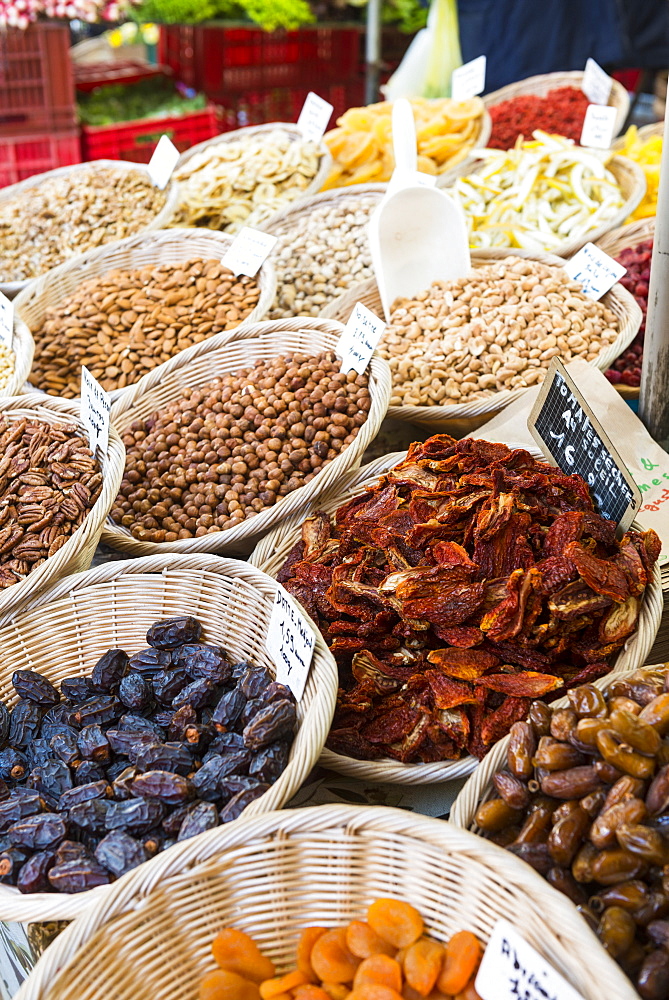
(221, 984)
(463, 953)
(363, 941)
(379, 969)
(422, 965)
(237, 952)
(374, 991)
(282, 984)
(336, 991)
(330, 958)
(396, 922)
(308, 939)
(469, 993)
(310, 992)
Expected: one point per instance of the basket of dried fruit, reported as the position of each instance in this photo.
(580, 792)
(242, 178)
(55, 495)
(123, 310)
(116, 750)
(273, 423)
(466, 353)
(51, 217)
(448, 607)
(384, 902)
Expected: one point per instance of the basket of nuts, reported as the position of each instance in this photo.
(419, 644)
(55, 495)
(351, 881)
(51, 217)
(116, 750)
(459, 352)
(123, 310)
(238, 433)
(15, 361)
(244, 177)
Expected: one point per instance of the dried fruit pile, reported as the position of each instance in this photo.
(148, 750)
(626, 369)
(560, 112)
(386, 957)
(585, 801)
(466, 581)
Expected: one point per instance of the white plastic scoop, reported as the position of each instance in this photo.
(417, 234)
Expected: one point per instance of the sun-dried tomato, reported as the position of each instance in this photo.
(391, 726)
(524, 684)
(462, 636)
(464, 664)
(448, 692)
(499, 722)
(601, 575)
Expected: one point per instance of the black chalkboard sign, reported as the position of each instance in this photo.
(567, 430)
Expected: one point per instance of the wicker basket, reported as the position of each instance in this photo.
(270, 555)
(229, 353)
(274, 875)
(539, 86)
(283, 222)
(23, 347)
(77, 552)
(12, 288)
(67, 629)
(167, 246)
(461, 419)
(643, 133)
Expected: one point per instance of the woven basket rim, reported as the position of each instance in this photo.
(629, 235)
(279, 223)
(271, 552)
(571, 942)
(168, 245)
(23, 347)
(643, 132)
(314, 727)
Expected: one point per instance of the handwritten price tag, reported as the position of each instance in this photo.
(596, 271)
(468, 80)
(249, 251)
(6, 320)
(361, 335)
(314, 117)
(598, 126)
(163, 161)
(95, 408)
(513, 970)
(290, 642)
(596, 83)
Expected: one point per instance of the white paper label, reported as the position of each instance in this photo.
(468, 80)
(409, 178)
(598, 126)
(314, 117)
(163, 161)
(361, 335)
(513, 970)
(290, 642)
(596, 271)
(95, 407)
(248, 251)
(596, 83)
(6, 320)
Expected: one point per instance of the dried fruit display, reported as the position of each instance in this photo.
(466, 581)
(584, 799)
(147, 750)
(626, 369)
(648, 154)
(388, 956)
(560, 112)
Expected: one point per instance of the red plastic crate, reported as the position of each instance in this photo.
(137, 140)
(36, 83)
(283, 104)
(23, 155)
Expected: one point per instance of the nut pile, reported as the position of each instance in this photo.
(243, 182)
(236, 446)
(496, 329)
(584, 799)
(66, 216)
(125, 323)
(49, 481)
(322, 256)
(147, 750)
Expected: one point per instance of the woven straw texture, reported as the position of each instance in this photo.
(77, 552)
(271, 553)
(23, 347)
(539, 86)
(166, 246)
(12, 288)
(273, 875)
(229, 352)
(479, 787)
(252, 130)
(285, 221)
(460, 419)
(65, 631)
(645, 132)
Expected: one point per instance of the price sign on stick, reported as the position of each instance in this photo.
(361, 335)
(162, 163)
(249, 251)
(598, 126)
(290, 642)
(314, 117)
(468, 80)
(596, 271)
(566, 429)
(95, 409)
(512, 969)
(6, 320)
(596, 83)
